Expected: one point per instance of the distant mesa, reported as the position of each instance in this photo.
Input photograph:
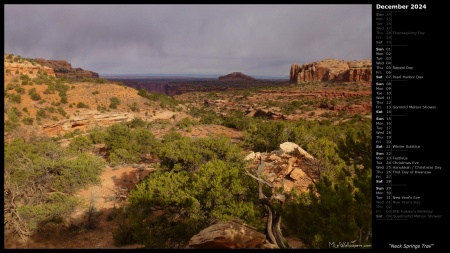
(236, 76)
(64, 69)
(332, 70)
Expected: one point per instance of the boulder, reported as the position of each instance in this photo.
(232, 234)
(301, 153)
(288, 147)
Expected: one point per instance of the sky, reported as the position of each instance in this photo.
(197, 39)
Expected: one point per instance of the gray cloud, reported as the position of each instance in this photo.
(258, 40)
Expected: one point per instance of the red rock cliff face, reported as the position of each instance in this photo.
(332, 70)
(64, 69)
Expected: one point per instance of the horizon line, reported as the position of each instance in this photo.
(183, 75)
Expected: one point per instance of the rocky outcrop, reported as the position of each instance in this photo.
(236, 76)
(288, 168)
(332, 70)
(16, 65)
(85, 120)
(232, 234)
(64, 69)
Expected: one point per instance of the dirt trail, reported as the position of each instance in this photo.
(104, 198)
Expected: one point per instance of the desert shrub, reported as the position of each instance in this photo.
(8, 125)
(57, 205)
(114, 102)
(82, 105)
(118, 136)
(101, 108)
(10, 86)
(61, 111)
(144, 141)
(50, 109)
(63, 99)
(133, 107)
(95, 92)
(182, 153)
(125, 156)
(127, 146)
(42, 164)
(41, 113)
(185, 123)
(239, 121)
(16, 98)
(33, 94)
(28, 121)
(206, 116)
(19, 90)
(14, 114)
(97, 135)
(137, 122)
(196, 199)
(78, 172)
(80, 143)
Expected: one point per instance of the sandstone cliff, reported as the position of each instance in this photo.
(332, 70)
(64, 69)
(236, 76)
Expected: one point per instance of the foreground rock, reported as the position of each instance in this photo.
(288, 168)
(232, 234)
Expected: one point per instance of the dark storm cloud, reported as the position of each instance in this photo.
(261, 40)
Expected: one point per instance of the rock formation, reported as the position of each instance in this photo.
(64, 69)
(24, 66)
(236, 76)
(85, 120)
(332, 70)
(232, 234)
(289, 167)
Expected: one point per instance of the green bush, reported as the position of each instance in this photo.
(57, 205)
(218, 190)
(63, 99)
(61, 111)
(114, 102)
(97, 135)
(8, 125)
(79, 172)
(28, 121)
(137, 122)
(82, 105)
(80, 143)
(14, 114)
(42, 164)
(16, 98)
(177, 152)
(33, 94)
(41, 113)
(133, 107)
